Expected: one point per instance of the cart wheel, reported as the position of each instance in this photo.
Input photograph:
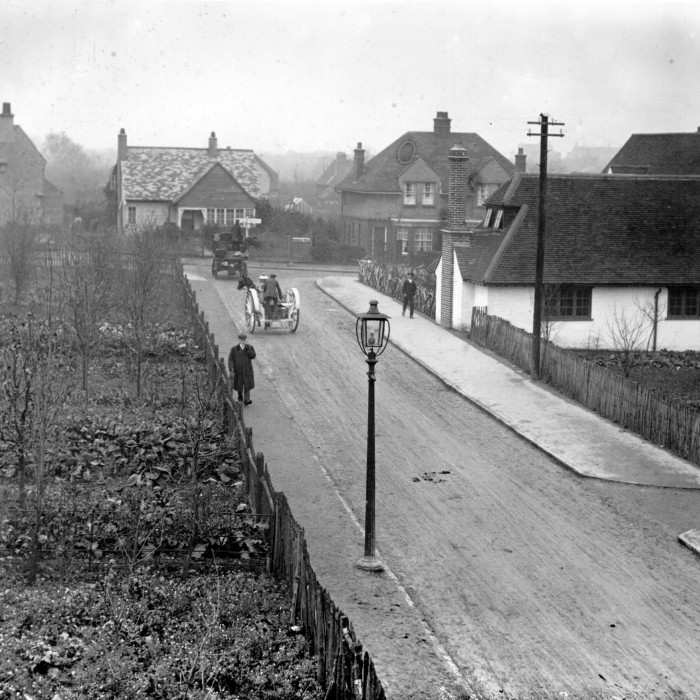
(214, 269)
(249, 313)
(294, 320)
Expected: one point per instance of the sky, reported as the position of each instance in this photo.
(324, 76)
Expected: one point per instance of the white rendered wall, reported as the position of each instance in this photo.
(631, 305)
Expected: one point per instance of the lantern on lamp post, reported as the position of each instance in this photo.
(372, 330)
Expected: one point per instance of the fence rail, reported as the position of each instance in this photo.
(662, 421)
(344, 670)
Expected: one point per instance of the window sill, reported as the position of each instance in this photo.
(560, 319)
(683, 318)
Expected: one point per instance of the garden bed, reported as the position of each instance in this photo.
(148, 566)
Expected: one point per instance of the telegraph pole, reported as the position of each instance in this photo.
(544, 134)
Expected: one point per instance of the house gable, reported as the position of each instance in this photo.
(215, 189)
(418, 171)
(490, 171)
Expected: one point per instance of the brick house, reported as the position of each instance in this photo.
(187, 187)
(394, 205)
(658, 154)
(618, 248)
(24, 190)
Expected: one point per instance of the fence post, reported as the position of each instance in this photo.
(259, 476)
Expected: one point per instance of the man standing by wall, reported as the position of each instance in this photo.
(409, 292)
(240, 366)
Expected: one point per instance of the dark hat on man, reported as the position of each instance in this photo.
(410, 274)
(273, 275)
(242, 336)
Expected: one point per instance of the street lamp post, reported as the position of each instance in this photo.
(372, 330)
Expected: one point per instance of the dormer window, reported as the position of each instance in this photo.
(409, 193)
(498, 223)
(487, 218)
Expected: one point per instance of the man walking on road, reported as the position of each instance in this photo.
(409, 292)
(240, 366)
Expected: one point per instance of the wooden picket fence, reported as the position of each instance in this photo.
(664, 422)
(344, 670)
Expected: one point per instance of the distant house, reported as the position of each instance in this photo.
(299, 205)
(24, 191)
(587, 159)
(394, 205)
(326, 194)
(658, 154)
(620, 249)
(187, 187)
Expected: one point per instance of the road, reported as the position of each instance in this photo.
(533, 580)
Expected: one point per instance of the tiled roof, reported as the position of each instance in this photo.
(660, 154)
(601, 229)
(474, 258)
(381, 172)
(164, 174)
(335, 172)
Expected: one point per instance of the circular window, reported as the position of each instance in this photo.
(406, 152)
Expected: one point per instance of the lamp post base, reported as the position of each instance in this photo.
(370, 563)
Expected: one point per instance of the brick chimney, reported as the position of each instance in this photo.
(458, 191)
(359, 161)
(456, 230)
(213, 148)
(520, 159)
(7, 126)
(340, 156)
(121, 145)
(441, 124)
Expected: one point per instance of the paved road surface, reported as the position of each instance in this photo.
(518, 575)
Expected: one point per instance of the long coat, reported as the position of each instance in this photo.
(241, 366)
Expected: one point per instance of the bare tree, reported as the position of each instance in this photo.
(35, 386)
(88, 283)
(200, 420)
(19, 239)
(626, 332)
(16, 403)
(143, 270)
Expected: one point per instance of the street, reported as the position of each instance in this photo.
(531, 578)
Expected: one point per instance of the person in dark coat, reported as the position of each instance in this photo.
(240, 366)
(409, 292)
(272, 293)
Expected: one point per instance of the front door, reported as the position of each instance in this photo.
(187, 221)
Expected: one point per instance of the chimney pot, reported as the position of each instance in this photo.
(213, 149)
